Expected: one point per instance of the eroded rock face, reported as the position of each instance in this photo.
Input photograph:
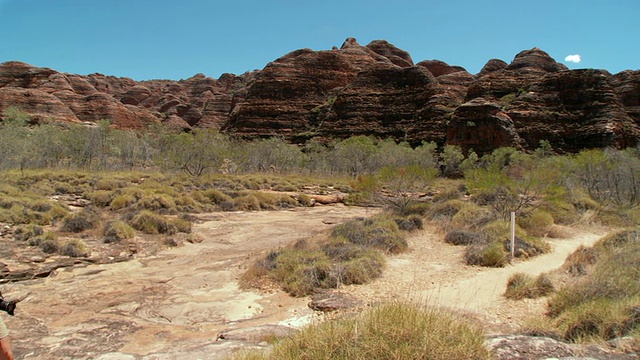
(572, 109)
(48, 95)
(482, 126)
(357, 90)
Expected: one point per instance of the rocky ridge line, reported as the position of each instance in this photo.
(375, 89)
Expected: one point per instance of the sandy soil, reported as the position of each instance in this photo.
(434, 273)
(173, 305)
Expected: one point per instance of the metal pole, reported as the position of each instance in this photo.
(513, 234)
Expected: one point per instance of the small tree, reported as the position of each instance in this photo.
(16, 149)
(507, 184)
(611, 177)
(401, 186)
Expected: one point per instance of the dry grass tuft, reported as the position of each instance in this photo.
(390, 331)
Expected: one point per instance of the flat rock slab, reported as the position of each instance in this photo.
(333, 301)
(523, 347)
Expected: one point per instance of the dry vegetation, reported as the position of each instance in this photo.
(59, 198)
(391, 331)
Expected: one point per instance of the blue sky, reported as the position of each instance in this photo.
(175, 39)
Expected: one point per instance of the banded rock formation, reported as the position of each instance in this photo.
(357, 90)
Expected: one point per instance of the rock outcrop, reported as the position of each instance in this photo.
(375, 89)
(572, 109)
(48, 95)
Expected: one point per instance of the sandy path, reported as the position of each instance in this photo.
(433, 272)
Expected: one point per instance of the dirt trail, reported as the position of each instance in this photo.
(433, 272)
(173, 305)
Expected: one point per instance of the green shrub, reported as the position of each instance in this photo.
(151, 223)
(563, 212)
(26, 232)
(116, 231)
(361, 269)
(492, 254)
(74, 248)
(520, 286)
(86, 219)
(597, 320)
(57, 212)
(305, 200)
(49, 245)
(47, 236)
(448, 194)
(303, 272)
(266, 201)
(501, 231)
(108, 184)
(390, 331)
(536, 223)
(182, 224)
(100, 198)
(409, 223)
(246, 203)
(417, 208)
(460, 237)
(580, 260)
(287, 201)
(216, 196)
(604, 304)
(620, 238)
(122, 201)
(377, 232)
(446, 210)
(472, 217)
(186, 203)
(157, 202)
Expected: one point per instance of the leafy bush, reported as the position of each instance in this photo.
(157, 202)
(305, 200)
(492, 254)
(302, 272)
(86, 219)
(36, 241)
(417, 208)
(182, 224)
(501, 231)
(49, 245)
(520, 286)
(100, 198)
(460, 237)
(377, 232)
(246, 203)
(216, 196)
(446, 210)
(116, 231)
(409, 223)
(536, 223)
(74, 248)
(26, 232)
(151, 223)
(604, 304)
(472, 217)
(390, 331)
(122, 201)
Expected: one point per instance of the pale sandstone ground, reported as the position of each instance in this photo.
(173, 305)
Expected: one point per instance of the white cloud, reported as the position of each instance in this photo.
(573, 58)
